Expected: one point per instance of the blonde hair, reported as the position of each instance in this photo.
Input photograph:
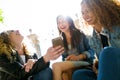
(6, 46)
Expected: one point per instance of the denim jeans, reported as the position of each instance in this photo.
(45, 74)
(109, 64)
(84, 74)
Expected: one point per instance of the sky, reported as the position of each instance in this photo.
(39, 15)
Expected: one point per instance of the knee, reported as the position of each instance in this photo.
(106, 52)
(108, 49)
(56, 66)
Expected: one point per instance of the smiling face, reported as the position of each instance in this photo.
(87, 14)
(62, 24)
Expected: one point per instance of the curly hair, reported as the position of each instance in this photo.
(5, 45)
(107, 12)
(7, 48)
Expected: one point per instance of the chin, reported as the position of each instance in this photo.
(90, 23)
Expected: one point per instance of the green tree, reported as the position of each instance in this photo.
(1, 17)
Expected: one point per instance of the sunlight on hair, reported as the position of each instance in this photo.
(39, 15)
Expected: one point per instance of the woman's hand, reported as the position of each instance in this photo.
(72, 57)
(95, 66)
(53, 53)
(28, 66)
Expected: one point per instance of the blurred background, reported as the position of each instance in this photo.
(38, 16)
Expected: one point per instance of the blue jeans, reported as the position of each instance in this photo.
(84, 74)
(45, 74)
(109, 64)
(109, 67)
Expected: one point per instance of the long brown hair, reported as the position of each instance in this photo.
(74, 32)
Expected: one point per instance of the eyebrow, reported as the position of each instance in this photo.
(11, 30)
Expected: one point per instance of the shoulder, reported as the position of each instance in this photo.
(81, 33)
(116, 28)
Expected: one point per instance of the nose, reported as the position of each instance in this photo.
(85, 15)
(61, 24)
(17, 31)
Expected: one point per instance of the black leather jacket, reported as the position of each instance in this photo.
(15, 71)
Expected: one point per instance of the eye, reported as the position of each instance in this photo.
(11, 30)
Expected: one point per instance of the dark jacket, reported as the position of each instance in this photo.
(15, 70)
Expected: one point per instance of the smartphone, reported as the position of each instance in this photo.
(57, 41)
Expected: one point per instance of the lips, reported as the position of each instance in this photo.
(62, 27)
(88, 19)
(17, 34)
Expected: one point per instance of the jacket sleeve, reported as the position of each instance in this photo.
(64, 55)
(88, 52)
(37, 67)
(16, 68)
(8, 69)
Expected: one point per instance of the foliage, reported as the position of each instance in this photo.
(1, 17)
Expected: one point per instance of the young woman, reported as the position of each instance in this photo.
(16, 62)
(28, 56)
(77, 53)
(104, 17)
